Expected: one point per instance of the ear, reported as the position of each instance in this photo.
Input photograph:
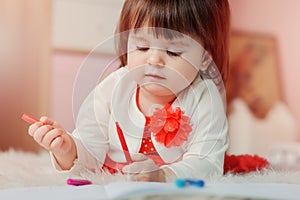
(206, 60)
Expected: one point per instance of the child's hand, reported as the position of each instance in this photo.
(144, 169)
(50, 135)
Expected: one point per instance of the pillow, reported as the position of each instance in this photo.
(250, 135)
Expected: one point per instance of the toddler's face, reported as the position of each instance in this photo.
(163, 66)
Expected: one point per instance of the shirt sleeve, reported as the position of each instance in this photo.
(208, 143)
(84, 161)
(91, 133)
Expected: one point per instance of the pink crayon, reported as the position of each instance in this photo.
(29, 119)
(78, 182)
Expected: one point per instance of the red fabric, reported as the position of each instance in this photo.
(243, 163)
(112, 166)
(147, 148)
(170, 126)
(167, 124)
(234, 164)
(147, 145)
(123, 143)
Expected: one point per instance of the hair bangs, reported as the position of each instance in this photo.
(170, 22)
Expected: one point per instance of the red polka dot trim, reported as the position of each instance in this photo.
(147, 145)
(147, 148)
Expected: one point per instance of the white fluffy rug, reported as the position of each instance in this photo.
(23, 169)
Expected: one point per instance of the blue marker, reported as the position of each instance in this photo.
(181, 183)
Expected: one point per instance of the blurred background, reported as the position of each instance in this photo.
(44, 43)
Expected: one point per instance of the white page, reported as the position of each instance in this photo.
(121, 189)
(238, 190)
(254, 190)
(55, 193)
(126, 189)
(92, 192)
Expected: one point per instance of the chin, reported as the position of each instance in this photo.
(157, 90)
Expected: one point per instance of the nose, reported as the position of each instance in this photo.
(156, 58)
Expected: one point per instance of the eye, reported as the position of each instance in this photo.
(172, 53)
(142, 48)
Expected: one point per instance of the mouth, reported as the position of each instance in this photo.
(155, 76)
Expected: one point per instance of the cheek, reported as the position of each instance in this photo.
(187, 71)
(193, 65)
(181, 77)
(190, 75)
(130, 60)
(134, 60)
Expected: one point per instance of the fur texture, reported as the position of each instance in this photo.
(24, 169)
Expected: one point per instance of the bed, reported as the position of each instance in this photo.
(22, 174)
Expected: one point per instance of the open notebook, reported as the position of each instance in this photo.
(119, 190)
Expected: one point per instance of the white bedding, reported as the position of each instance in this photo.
(20, 170)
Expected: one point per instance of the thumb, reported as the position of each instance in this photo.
(61, 144)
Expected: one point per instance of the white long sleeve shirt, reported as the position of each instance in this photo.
(113, 100)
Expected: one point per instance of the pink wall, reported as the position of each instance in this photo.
(74, 74)
(281, 19)
(276, 17)
(64, 69)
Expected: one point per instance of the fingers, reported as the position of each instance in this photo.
(154, 176)
(145, 177)
(47, 120)
(141, 164)
(32, 128)
(136, 166)
(40, 133)
(56, 143)
(54, 135)
(46, 135)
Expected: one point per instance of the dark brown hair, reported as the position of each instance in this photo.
(207, 20)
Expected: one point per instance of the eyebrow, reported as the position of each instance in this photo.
(172, 42)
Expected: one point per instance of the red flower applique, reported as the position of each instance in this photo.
(170, 126)
(243, 163)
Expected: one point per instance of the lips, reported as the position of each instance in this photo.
(155, 76)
